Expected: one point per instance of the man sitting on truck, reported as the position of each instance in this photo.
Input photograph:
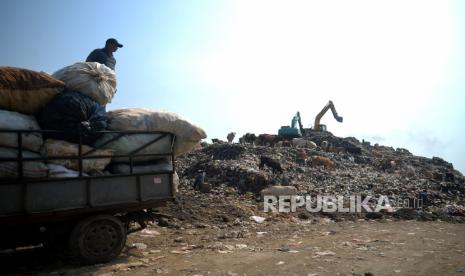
(105, 55)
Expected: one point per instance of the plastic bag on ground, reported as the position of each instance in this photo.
(90, 78)
(26, 91)
(15, 121)
(69, 111)
(58, 148)
(187, 134)
(31, 169)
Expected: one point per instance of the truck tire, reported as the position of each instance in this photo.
(97, 239)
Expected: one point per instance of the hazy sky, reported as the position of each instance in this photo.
(394, 69)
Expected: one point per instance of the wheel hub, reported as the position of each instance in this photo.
(100, 239)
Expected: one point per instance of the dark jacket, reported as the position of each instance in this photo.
(100, 56)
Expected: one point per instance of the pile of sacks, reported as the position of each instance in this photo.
(74, 99)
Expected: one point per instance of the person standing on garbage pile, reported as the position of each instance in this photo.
(199, 180)
(105, 55)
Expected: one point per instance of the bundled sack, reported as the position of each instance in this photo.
(131, 142)
(90, 78)
(187, 134)
(162, 165)
(59, 171)
(26, 91)
(10, 120)
(69, 111)
(31, 169)
(58, 148)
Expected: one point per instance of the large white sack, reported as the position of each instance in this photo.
(187, 134)
(163, 165)
(90, 78)
(154, 120)
(59, 171)
(16, 121)
(59, 148)
(9, 169)
(130, 142)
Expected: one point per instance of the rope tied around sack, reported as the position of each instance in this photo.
(98, 76)
(96, 73)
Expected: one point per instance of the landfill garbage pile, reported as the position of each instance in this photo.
(338, 166)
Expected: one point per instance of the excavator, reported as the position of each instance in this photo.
(289, 132)
(320, 127)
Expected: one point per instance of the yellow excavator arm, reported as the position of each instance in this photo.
(318, 117)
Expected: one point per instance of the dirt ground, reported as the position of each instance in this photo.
(305, 248)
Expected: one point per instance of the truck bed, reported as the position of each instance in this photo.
(29, 199)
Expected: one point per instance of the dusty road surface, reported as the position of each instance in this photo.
(321, 247)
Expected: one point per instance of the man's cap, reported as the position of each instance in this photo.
(114, 42)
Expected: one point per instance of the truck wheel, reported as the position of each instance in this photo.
(97, 239)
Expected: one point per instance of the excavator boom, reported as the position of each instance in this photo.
(297, 120)
(318, 117)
